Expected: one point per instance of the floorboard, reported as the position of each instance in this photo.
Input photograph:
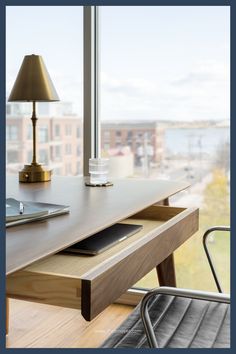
(41, 326)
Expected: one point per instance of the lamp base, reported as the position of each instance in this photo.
(34, 173)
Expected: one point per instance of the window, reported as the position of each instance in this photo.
(43, 134)
(78, 132)
(8, 109)
(57, 171)
(78, 150)
(59, 22)
(68, 168)
(29, 156)
(68, 149)
(165, 86)
(129, 135)
(57, 153)
(57, 131)
(68, 130)
(106, 135)
(11, 132)
(43, 156)
(29, 132)
(78, 168)
(12, 156)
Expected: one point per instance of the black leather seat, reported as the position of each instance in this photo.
(178, 323)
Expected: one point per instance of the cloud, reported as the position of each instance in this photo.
(202, 93)
(207, 72)
(131, 87)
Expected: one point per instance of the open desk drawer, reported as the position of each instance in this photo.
(94, 282)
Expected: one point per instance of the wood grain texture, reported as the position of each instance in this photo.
(56, 280)
(133, 265)
(166, 269)
(91, 210)
(41, 326)
(7, 315)
(166, 272)
(45, 289)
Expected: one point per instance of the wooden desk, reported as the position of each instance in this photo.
(36, 273)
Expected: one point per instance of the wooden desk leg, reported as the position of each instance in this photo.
(7, 315)
(166, 272)
(166, 269)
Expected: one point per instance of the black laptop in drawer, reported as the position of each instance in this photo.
(104, 239)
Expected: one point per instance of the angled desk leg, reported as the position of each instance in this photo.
(7, 315)
(166, 272)
(166, 269)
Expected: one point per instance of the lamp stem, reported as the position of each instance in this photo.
(34, 122)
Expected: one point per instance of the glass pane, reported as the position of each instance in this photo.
(56, 33)
(165, 111)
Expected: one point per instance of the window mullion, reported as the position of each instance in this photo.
(91, 78)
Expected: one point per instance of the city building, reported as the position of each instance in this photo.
(121, 162)
(145, 139)
(59, 143)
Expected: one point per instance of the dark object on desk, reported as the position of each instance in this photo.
(33, 211)
(104, 239)
(107, 184)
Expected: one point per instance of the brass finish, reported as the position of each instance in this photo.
(33, 83)
(34, 122)
(34, 173)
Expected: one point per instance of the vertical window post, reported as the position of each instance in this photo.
(91, 72)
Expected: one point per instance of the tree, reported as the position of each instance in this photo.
(223, 156)
(216, 201)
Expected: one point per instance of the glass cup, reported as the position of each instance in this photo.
(98, 170)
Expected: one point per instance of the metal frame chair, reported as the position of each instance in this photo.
(204, 240)
(183, 292)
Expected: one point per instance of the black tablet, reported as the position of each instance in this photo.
(104, 239)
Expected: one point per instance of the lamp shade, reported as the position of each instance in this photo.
(33, 82)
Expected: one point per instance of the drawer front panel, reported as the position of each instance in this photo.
(45, 289)
(101, 288)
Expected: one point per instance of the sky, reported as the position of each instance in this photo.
(161, 62)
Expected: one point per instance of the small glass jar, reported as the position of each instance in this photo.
(98, 170)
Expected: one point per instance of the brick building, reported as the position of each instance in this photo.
(60, 138)
(143, 138)
(59, 142)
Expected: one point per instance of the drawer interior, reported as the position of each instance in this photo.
(76, 266)
(68, 280)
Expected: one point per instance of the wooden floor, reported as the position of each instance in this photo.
(41, 326)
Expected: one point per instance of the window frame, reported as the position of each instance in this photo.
(91, 116)
(91, 129)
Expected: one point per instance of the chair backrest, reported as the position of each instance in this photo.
(216, 242)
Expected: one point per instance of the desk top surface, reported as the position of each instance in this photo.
(91, 210)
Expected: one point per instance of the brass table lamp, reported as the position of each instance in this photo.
(32, 84)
